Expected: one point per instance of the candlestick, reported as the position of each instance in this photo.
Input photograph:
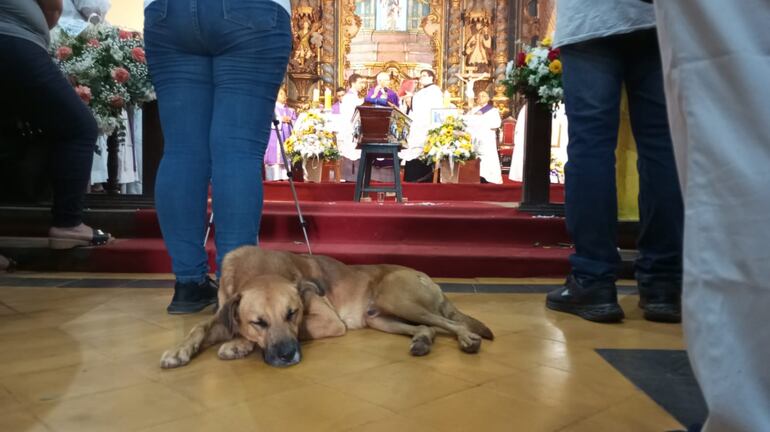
(327, 99)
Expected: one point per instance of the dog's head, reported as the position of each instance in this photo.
(268, 312)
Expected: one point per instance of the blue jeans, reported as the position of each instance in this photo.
(594, 72)
(216, 66)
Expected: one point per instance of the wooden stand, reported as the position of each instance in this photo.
(536, 188)
(380, 133)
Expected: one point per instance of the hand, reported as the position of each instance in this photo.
(286, 119)
(52, 10)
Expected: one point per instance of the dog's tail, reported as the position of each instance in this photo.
(448, 310)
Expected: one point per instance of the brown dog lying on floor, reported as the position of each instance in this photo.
(273, 299)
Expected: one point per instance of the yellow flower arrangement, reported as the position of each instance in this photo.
(449, 141)
(555, 66)
(312, 138)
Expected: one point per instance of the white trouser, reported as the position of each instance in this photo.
(716, 62)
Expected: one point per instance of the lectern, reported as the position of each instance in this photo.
(380, 132)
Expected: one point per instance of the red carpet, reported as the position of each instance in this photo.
(508, 192)
(443, 239)
(443, 230)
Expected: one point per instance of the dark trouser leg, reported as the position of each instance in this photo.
(44, 98)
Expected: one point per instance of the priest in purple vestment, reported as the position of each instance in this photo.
(274, 168)
(380, 94)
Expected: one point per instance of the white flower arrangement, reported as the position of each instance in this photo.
(536, 72)
(313, 137)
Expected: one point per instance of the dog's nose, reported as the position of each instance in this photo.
(287, 352)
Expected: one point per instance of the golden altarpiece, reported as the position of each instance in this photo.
(466, 42)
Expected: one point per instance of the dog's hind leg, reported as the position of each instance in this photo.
(422, 336)
(469, 342)
(201, 336)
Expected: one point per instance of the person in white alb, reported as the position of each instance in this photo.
(428, 98)
(559, 140)
(348, 104)
(483, 122)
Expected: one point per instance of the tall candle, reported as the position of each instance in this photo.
(316, 95)
(447, 99)
(327, 99)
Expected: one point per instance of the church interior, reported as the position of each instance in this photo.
(83, 329)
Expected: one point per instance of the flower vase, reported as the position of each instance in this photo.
(449, 173)
(330, 171)
(312, 169)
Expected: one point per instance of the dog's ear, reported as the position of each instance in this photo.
(228, 314)
(313, 285)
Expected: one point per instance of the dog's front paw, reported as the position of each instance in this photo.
(470, 343)
(234, 350)
(420, 346)
(176, 357)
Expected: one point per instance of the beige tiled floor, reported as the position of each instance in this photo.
(77, 359)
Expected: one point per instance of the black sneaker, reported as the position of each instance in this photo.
(661, 301)
(598, 302)
(191, 297)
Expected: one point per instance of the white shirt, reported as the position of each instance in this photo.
(286, 4)
(423, 102)
(582, 20)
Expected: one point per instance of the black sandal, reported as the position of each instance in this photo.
(98, 238)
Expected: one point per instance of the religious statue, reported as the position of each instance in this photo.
(478, 47)
(304, 51)
(306, 24)
(392, 10)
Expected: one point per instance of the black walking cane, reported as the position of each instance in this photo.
(290, 173)
(302, 222)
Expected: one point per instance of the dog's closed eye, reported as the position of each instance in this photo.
(291, 314)
(261, 323)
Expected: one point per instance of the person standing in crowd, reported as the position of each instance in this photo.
(603, 46)
(348, 104)
(339, 94)
(484, 121)
(274, 167)
(381, 94)
(216, 68)
(85, 10)
(424, 101)
(42, 96)
(405, 95)
(713, 53)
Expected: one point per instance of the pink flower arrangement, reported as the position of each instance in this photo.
(63, 53)
(84, 93)
(107, 67)
(117, 102)
(138, 55)
(120, 75)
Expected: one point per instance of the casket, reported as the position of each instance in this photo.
(380, 125)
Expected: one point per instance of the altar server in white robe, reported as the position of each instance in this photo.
(483, 122)
(559, 140)
(428, 98)
(713, 53)
(345, 144)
